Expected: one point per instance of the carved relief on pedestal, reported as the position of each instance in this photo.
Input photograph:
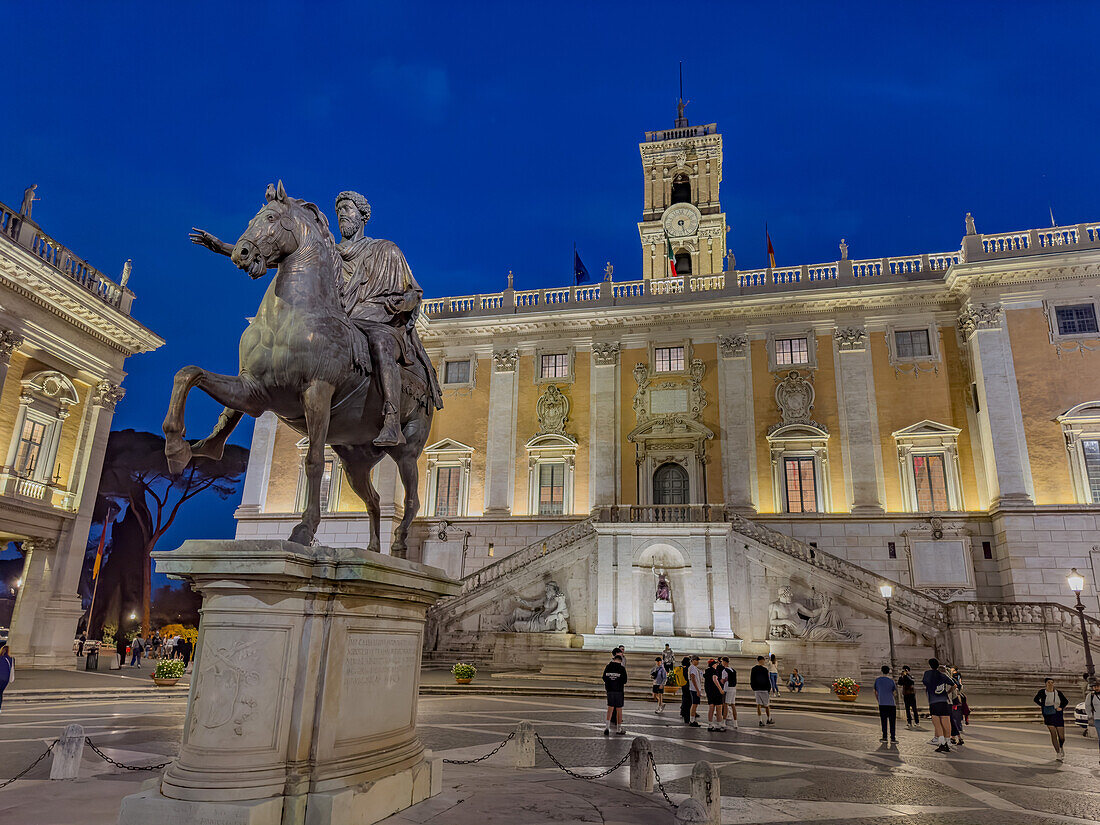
(504, 360)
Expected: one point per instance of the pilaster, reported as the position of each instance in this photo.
(501, 447)
(626, 614)
(9, 342)
(737, 423)
(254, 494)
(863, 474)
(603, 431)
(605, 580)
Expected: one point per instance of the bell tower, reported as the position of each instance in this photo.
(682, 170)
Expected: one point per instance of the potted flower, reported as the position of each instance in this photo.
(463, 673)
(846, 689)
(168, 672)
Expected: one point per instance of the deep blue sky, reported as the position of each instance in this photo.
(492, 136)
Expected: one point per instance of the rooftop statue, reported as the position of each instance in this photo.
(361, 383)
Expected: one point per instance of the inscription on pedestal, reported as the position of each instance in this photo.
(379, 672)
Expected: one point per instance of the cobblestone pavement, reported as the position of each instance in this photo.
(809, 767)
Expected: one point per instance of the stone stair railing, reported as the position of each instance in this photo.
(905, 598)
(1049, 615)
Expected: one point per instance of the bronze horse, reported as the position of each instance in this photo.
(302, 359)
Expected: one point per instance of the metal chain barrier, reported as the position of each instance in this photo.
(106, 758)
(27, 769)
(661, 785)
(576, 775)
(480, 758)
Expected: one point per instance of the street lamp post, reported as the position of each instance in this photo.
(1077, 584)
(887, 591)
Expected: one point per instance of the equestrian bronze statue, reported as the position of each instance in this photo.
(332, 351)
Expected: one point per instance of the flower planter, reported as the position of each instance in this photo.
(463, 681)
(164, 682)
(846, 697)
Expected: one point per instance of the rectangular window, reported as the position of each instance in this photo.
(447, 484)
(555, 365)
(30, 447)
(668, 359)
(801, 488)
(791, 351)
(912, 343)
(1091, 449)
(551, 489)
(987, 550)
(456, 372)
(1076, 320)
(892, 549)
(930, 475)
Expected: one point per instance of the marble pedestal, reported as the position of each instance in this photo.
(663, 616)
(303, 699)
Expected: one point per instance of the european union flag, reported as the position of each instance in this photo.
(580, 272)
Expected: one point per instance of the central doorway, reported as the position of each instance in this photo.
(670, 484)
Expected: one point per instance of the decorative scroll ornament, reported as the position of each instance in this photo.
(9, 343)
(504, 360)
(980, 316)
(107, 395)
(606, 354)
(850, 339)
(552, 409)
(733, 346)
(795, 396)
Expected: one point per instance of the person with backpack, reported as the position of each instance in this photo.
(936, 685)
(614, 682)
(909, 697)
(730, 684)
(659, 676)
(716, 696)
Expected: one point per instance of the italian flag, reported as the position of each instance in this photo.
(671, 257)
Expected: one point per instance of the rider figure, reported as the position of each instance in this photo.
(382, 299)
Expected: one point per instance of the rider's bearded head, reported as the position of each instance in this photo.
(350, 224)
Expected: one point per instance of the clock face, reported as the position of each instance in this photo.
(681, 220)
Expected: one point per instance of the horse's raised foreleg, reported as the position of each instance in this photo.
(358, 462)
(228, 390)
(410, 480)
(213, 446)
(317, 404)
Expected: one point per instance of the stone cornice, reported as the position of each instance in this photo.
(23, 273)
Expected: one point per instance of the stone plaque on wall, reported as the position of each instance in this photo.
(377, 674)
(662, 402)
(943, 563)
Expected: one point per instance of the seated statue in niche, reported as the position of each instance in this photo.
(548, 615)
(788, 619)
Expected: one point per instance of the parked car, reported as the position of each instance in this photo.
(1081, 718)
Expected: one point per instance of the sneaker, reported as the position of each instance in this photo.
(657, 711)
(883, 739)
(943, 748)
(893, 741)
(771, 721)
(761, 724)
(695, 724)
(960, 740)
(621, 732)
(734, 725)
(953, 742)
(1061, 756)
(722, 728)
(711, 727)
(935, 740)
(606, 732)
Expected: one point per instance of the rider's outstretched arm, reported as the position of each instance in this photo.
(203, 238)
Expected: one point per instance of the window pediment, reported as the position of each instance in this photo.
(798, 432)
(670, 428)
(448, 445)
(52, 388)
(927, 431)
(1086, 413)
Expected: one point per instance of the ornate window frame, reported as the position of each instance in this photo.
(336, 480)
(933, 331)
(46, 397)
(655, 345)
(571, 359)
(811, 349)
(550, 448)
(1049, 307)
(929, 438)
(458, 385)
(448, 453)
(800, 440)
(1080, 423)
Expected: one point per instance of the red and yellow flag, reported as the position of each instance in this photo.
(771, 249)
(99, 552)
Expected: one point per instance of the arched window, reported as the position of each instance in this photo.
(681, 189)
(670, 484)
(683, 262)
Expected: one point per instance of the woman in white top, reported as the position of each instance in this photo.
(1052, 702)
(773, 673)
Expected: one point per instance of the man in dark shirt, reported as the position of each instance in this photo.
(614, 682)
(936, 685)
(909, 697)
(761, 684)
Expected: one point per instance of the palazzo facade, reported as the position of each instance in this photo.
(930, 420)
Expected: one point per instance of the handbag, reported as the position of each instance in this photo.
(1049, 710)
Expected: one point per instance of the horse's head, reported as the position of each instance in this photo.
(276, 232)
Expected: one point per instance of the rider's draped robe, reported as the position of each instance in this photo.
(374, 270)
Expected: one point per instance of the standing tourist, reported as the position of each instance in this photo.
(614, 682)
(680, 675)
(695, 683)
(120, 650)
(1092, 706)
(136, 648)
(886, 691)
(773, 674)
(1052, 702)
(660, 676)
(909, 698)
(936, 685)
(7, 670)
(761, 684)
(716, 696)
(669, 658)
(730, 683)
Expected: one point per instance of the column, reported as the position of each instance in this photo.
(254, 494)
(719, 585)
(603, 427)
(697, 610)
(9, 343)
(500, 459)
(859, 443)
(605, 582)
(59, 608)
(736, 423)
(1000, 421)
(38, 564)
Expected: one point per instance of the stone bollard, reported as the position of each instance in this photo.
(67, 754)
(691, 812)
(641, 765)
(706, 789)
(520, 752)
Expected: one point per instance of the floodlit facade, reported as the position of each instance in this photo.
(65, 332)
(931, 420)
